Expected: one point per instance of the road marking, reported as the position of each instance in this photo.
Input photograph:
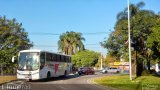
(62, 87)
(95, 84)
(17, 82)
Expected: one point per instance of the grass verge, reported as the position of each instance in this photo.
(4, 79)
(122, 82)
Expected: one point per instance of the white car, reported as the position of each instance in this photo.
(110, 70)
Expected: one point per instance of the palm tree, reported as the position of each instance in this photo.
(77, 42)
(138, 34)
(134, 9)
(70, 43)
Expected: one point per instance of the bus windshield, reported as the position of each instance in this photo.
(28, 61)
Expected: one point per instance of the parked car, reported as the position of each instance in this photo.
(80, 71)
(110, 70)
(86, 70)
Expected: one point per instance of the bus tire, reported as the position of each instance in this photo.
(48, 76)
(65, 74)
(30, 80)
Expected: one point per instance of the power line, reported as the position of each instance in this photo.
(45, 46)
(91, 44)
(94, 33)
(57, 46)
(43, 33)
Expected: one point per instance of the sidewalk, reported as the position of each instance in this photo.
(7, 78)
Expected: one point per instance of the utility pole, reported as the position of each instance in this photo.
(101, 59)
(129, 42)
(101, 62)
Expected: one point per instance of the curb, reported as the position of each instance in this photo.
(101, 86)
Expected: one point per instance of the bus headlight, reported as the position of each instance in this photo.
(35, 73)
(19, 73)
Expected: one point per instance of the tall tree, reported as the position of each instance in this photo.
(141, 23)
(134, 9)
(153, 42)
(71, 42)
(13, 38)
(85, 58)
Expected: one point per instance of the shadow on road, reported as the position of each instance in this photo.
(57, 78)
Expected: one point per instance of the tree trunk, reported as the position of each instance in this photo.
(148, 65)
(136, 65)
(139, 67)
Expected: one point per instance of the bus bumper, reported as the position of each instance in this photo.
(28, 75)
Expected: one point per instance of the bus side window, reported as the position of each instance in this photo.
(58, 58)
(54, 56)
(67, 59)
(62, 58)
(70, 59)
(49, 57)
(42, 60)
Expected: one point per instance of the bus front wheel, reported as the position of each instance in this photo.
(48, 76)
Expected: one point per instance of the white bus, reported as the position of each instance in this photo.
(39, 64)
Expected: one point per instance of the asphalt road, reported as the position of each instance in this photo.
(71, 82)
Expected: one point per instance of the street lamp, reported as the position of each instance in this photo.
(129, 42)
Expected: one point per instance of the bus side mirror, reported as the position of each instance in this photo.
(13, 58)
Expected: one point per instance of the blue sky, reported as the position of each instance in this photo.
(59, 16)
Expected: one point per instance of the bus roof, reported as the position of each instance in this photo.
(31, 50)
(38, 50)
